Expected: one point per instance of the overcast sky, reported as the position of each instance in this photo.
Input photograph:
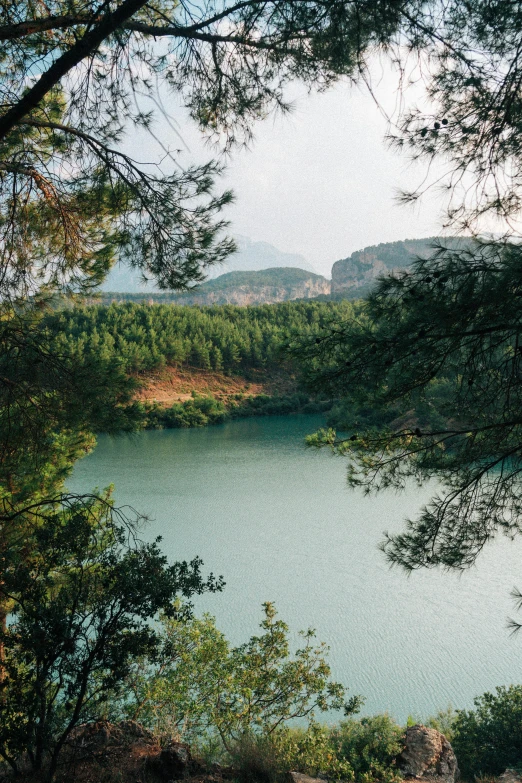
(321, 181)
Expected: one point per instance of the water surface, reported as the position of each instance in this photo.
(278, 521)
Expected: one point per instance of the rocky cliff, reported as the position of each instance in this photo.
(358, 272)
(249, 288)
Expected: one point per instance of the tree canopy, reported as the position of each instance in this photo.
(435, 352)
(430, 371)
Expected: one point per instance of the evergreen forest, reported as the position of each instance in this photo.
(99, 636)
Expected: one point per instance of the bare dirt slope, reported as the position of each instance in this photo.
(172, 384)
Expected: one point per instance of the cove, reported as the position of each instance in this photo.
(278, 521)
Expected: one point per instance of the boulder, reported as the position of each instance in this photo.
(174, 762)
(100, 734)
(510, 776)
(299, 777)
(132, 750)
(428, 756)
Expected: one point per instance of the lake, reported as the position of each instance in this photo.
(278, 521)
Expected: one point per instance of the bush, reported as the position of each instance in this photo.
(313, 752)
(370, 745)
(357, 750)
(488, 739)
(203, 689)
(199, 411)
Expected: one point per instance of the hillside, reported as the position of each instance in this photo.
(253, 256)
(250, 257)
(357, 273)
(353, 277)
(281, 284)
(194, 366)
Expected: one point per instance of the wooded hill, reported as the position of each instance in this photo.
(198, 365)
(280, 284)
(227, 338)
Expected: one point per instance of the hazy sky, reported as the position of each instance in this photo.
(320, 181)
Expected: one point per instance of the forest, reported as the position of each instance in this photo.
(227, 338)
(97, 625)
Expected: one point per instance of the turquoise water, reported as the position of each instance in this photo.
(280, 524)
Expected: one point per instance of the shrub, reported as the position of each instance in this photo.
(357, 750)
(199, 411)
(312, 751)
(488, 739)
(370, 745)
(203, 689)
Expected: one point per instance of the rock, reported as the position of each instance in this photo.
(362, 268)
(251, 288)
(428, 756)
(101, 733)
(510, 776)
(299, 777)
(173, 762)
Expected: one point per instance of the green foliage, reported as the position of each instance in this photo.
(204, 410)
(488, 739)
(199, 411)
(210, 692)
(310, 750)
(50, 403)
(82, 601)
(355, 750)
(429, 371)
(370, 745)
(227, 338)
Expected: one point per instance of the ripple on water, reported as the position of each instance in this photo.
(278, 521)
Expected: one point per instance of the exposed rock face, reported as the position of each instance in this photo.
(363, 267)
(428, 756)
(96, 749)
(254, 293)
(299, 777)
(278, 284)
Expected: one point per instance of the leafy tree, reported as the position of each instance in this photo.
(206, 690)
(82, 601)
(452, 323)
(488, 739)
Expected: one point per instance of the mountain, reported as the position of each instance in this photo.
(251, 256)
(353, 277)
(245, 288)
(254, 256)
(356, 274)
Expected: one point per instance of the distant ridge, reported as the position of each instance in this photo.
(251, 256)
(255, 256)
(267, 286)
(353, 277)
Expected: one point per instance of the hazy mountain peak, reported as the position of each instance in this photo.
(254, 256)
(251, 257)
